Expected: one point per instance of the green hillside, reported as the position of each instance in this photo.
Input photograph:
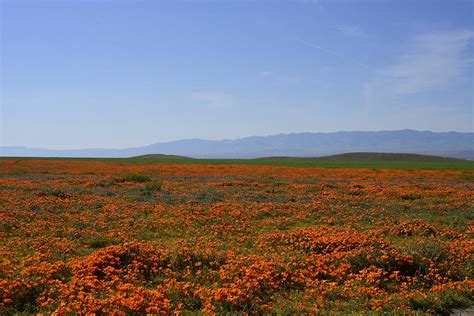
(349, 160)
(371, 156)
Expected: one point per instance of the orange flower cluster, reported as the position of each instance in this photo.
(118, 238)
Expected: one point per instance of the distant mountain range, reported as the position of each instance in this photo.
(448, 144)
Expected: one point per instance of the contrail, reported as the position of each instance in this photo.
(334, 54)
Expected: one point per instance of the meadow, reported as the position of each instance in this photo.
(138, 236)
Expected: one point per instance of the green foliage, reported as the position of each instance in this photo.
(131, 177)
(150, 188)
(444, 304)
(97, 242)
(56, 192)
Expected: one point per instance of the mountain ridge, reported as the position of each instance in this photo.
(306, 144)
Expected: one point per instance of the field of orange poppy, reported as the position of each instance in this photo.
(118, 238)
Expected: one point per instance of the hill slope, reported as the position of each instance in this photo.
(370, 156)
(161, 157)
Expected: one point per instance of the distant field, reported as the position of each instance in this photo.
(353, 160)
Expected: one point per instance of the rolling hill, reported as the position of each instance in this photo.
(368, 156)
(161, 157)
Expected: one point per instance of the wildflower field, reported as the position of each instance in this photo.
(85, 236)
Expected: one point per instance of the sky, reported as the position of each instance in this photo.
(115, 74)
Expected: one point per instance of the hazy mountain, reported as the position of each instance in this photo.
(450, 144)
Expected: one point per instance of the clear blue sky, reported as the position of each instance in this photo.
(79, 74)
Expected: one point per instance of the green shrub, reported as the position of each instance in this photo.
(151, 188)
(140, 178)
(56, 192)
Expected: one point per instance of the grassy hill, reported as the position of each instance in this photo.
(160, 157)
(349, 160)
(372, 160)
(370, 156)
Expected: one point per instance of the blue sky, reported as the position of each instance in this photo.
(78, 74)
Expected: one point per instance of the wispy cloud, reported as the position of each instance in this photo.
(265, 73)
(214, 98)
(342, 57)
(431, 61)
(350, 30)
